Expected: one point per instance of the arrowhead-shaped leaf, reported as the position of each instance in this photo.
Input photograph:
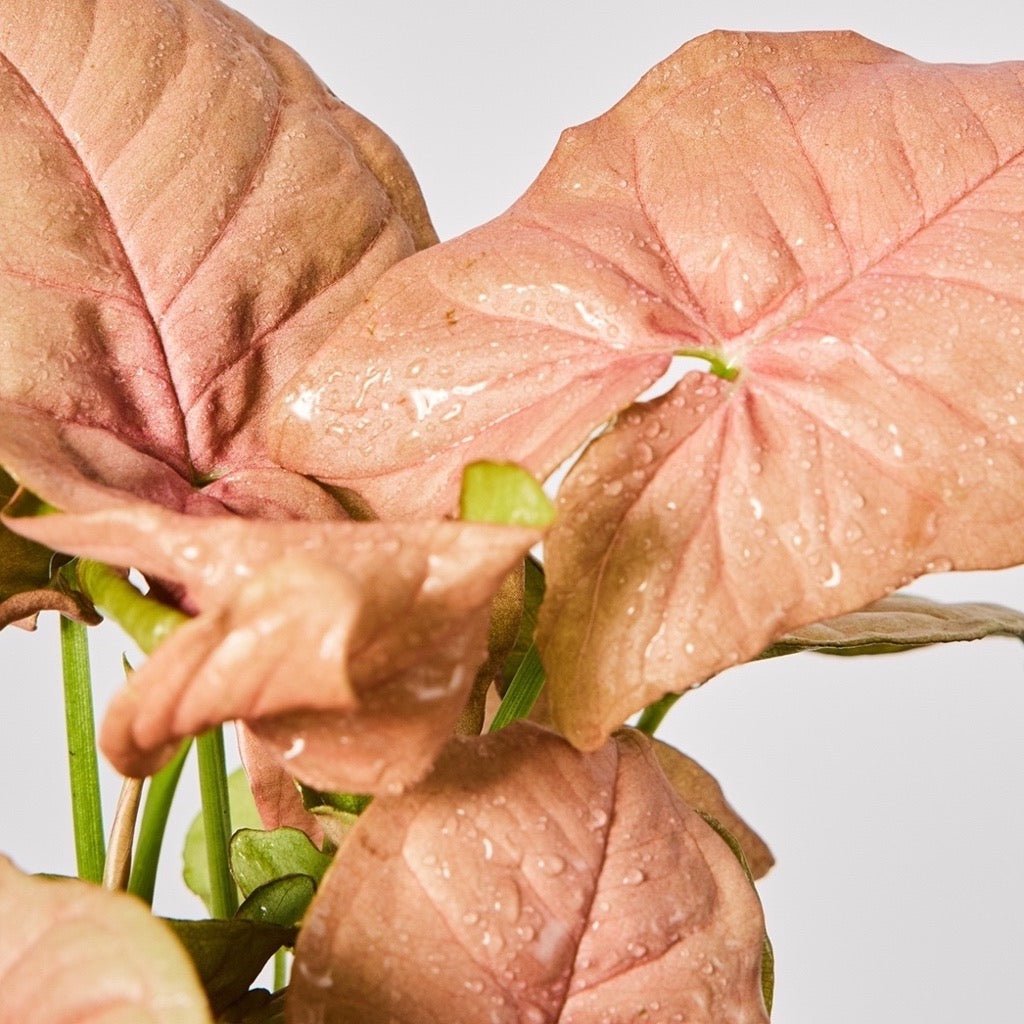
(564, 887)
(185, 211)
(835, 228)
(72, 952)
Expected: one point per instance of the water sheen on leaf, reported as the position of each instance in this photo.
(567, 887)
(258, 857)
(71, 952)
(835, 227)
(142, 348)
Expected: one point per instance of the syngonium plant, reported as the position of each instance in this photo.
(226, 363)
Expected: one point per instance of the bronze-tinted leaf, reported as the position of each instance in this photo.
(902, 622)
(701, 791)
(348, 648)
(526, 882)
(72, 952)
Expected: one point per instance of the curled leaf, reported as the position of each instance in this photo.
(902, 622)
(348, 648)
(71, 952)
(567, 887)
(259, 857)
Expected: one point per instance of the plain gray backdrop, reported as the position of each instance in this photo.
(890, 789)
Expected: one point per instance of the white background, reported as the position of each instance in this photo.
(889, 789)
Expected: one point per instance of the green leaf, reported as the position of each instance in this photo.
(522, 692)
(258, 857)
(282, 901)
(901, 622)
(502, 492)
(229, 955)
(243, 815)
(533, 595)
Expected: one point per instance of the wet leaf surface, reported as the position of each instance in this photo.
(523, 881)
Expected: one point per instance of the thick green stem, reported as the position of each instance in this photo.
(159, 797)
(522, 692)
(280, 969)
(86, 808)
(149, 623)
(652, 715)
(146, 621)
(213, 787)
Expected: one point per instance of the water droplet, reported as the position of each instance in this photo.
(634, 876)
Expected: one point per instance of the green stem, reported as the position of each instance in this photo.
(213, 788)
(280, 969)
(716, 364)
(154, 822)
(86, 809)
(146, 621)
(652, 715)
(522, 692)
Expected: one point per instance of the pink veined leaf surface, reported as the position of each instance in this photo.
(566, 887)
(71, 952)
(186, 211)
(837, 228)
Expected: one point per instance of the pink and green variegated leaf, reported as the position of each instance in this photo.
(836, 227)
(185, 212)
(349, 649)
(567, 887)
(71, 952)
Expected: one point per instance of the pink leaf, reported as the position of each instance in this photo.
(185, 212)
(525, 882)
(836, 228)
(71, 952)
(348, 648)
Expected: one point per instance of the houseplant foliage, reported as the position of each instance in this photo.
(233, 359)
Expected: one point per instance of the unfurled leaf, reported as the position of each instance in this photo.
(902, 622)
(229, 955)
(258, 857)
(71, 952)
(282, 901)
(833, 227)
(502, 492)
(185, 211)
(701, 791)
(195, 866)
(854, 291)
(566, 886)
